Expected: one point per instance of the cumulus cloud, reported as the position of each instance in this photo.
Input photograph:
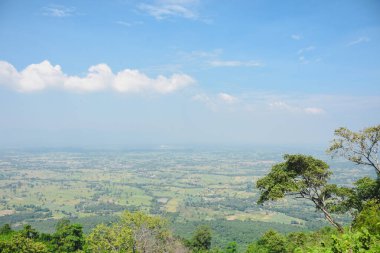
(99, 77)
(34, 77)
(161, 9)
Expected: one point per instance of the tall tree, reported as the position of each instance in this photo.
(359, 147)
(303, 177)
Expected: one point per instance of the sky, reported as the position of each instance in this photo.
(174, 73)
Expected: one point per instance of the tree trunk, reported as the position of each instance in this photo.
(331, 220)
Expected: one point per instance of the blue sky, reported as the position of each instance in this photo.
(124, 73)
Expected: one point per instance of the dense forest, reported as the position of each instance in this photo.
(299, 176)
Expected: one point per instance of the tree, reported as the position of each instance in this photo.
(303, 177)
(5, 229)
(21, 244)
(358, 241)
(29, 232)
(113, 238)
(362, 148)
(150, 233)
(61, 224)
(135, 232)
(369, 218)
(270, 242)
(68, 237)
(359, 147)
(231, 247)
(201, 239)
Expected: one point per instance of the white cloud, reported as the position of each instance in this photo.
(226, 98)
(296, 36)
(58, 11)
(303, 60)
(205, 99)
(99, 77)
(202, 98)
(129, 24)
(306, 49)
(358, 41)
(301, 54)
(218, 63)
(280, 105)
(193, 55)
(161, 9)
(313, 110)
(216, 102)
(33, 77)
(167, 85)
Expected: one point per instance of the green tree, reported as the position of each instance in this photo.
(296, 240)
(135, 232)
(115, 238)
(369, 218)
(273, 241)
(21, 244)
(359, 147)
(358, 241)
(231, 247)
(201, 239)
(270, 242)
(362, 148)
(68, 237)
(5, 229)
(29, 232)
(303, 177)
(61, 224)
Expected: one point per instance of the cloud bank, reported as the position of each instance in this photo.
(44, 75)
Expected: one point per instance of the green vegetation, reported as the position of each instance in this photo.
(192, 213)
(302, 176)
(138, 232)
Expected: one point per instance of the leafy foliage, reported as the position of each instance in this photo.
(68, 237)
(21, 244)
(304, 177)
(359, 147)
(201, 239)
(135, 232)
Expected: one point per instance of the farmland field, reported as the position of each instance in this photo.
(186, 186)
